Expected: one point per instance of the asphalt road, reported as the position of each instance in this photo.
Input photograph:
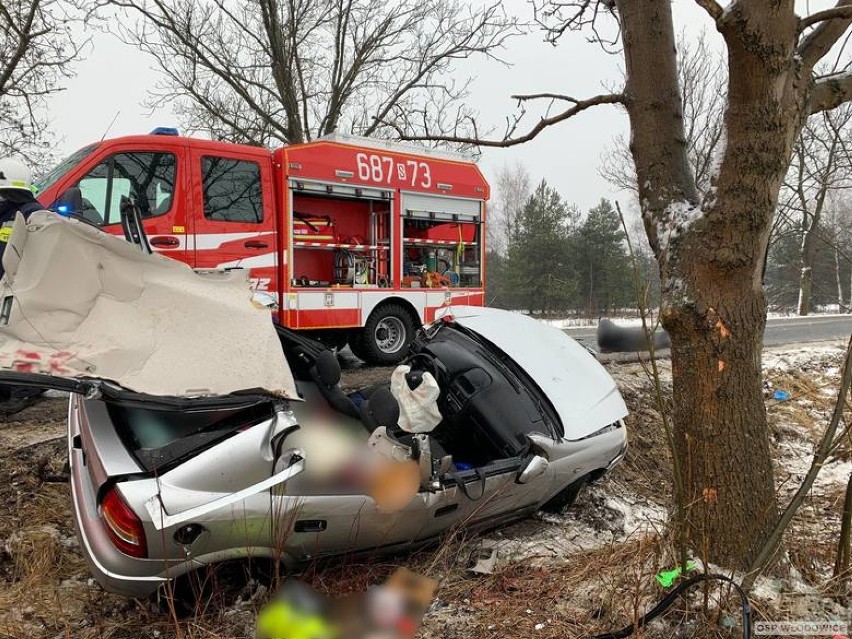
(779, 332)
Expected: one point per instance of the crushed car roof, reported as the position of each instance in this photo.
(80, 304)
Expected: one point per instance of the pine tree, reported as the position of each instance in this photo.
(602, 263)
(539, 268)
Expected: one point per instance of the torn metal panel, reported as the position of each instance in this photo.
(86, 304)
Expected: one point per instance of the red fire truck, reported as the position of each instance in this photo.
(357, 240)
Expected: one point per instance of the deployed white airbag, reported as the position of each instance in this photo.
(83, 303)
(418, 408)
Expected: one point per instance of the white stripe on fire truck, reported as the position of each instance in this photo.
(347, 299)
(253, 261)
(209, 241)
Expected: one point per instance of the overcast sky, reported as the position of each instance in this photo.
(115, 78)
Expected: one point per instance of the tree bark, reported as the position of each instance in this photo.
(719, 416)
(843, 560)
(807, 274)
(711, 255)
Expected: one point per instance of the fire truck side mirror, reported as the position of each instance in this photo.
(70, 202)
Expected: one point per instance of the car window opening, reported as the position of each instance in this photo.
(160, 438)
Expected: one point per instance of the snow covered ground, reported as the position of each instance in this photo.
(629, 510)
(632, 320)
(586, 322)
(584, 571)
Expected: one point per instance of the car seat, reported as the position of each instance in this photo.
(325, 373)
(380, 414)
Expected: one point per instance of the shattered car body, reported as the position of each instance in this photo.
(245, 451)
(79, 303)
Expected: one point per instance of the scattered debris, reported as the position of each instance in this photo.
(393, 610)
(666, 578)
(485, 558)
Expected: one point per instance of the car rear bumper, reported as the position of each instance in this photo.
(115, 571)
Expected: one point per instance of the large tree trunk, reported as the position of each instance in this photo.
(720, 420)
(711, 256)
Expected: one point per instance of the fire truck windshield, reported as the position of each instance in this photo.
(58, 172)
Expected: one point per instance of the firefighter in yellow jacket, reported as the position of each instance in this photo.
(16, 195)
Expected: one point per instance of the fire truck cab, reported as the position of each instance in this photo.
(357, 240)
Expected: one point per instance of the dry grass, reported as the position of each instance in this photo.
(44, 589)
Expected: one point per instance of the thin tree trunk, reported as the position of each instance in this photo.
(805, 281)
(843, 562)
(806, 253)
(841, 304)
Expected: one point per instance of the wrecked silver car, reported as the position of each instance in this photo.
(199, 433)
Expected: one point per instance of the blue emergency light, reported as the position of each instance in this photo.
(165, 130)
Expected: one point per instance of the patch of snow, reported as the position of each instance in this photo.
(787, 359)
(823, 310)
(676, 219)
(604, 514)
(796, 458)
(581, 322)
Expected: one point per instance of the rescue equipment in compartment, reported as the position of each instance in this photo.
(314, 228)
(344, 266)
(352, 270)
(361, 276)
(432, 279)
(304, 281)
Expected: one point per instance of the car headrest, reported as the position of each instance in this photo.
(382, 408)
(328, 368)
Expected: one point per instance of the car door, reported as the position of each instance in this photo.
(233, 223)
(483, 497)
(154, 178)
(323, 525)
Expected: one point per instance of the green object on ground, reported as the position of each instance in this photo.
(666, 578)
(282, 620)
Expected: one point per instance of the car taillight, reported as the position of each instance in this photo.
(122, 525)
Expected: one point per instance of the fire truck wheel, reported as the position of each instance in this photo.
(386, 335)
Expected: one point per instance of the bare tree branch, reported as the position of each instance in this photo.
(37, 50)
(265, 71)
(507, 141)
(819, 41)
(830, 92)
(545, 96)
(840, 11)
(712, 7)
